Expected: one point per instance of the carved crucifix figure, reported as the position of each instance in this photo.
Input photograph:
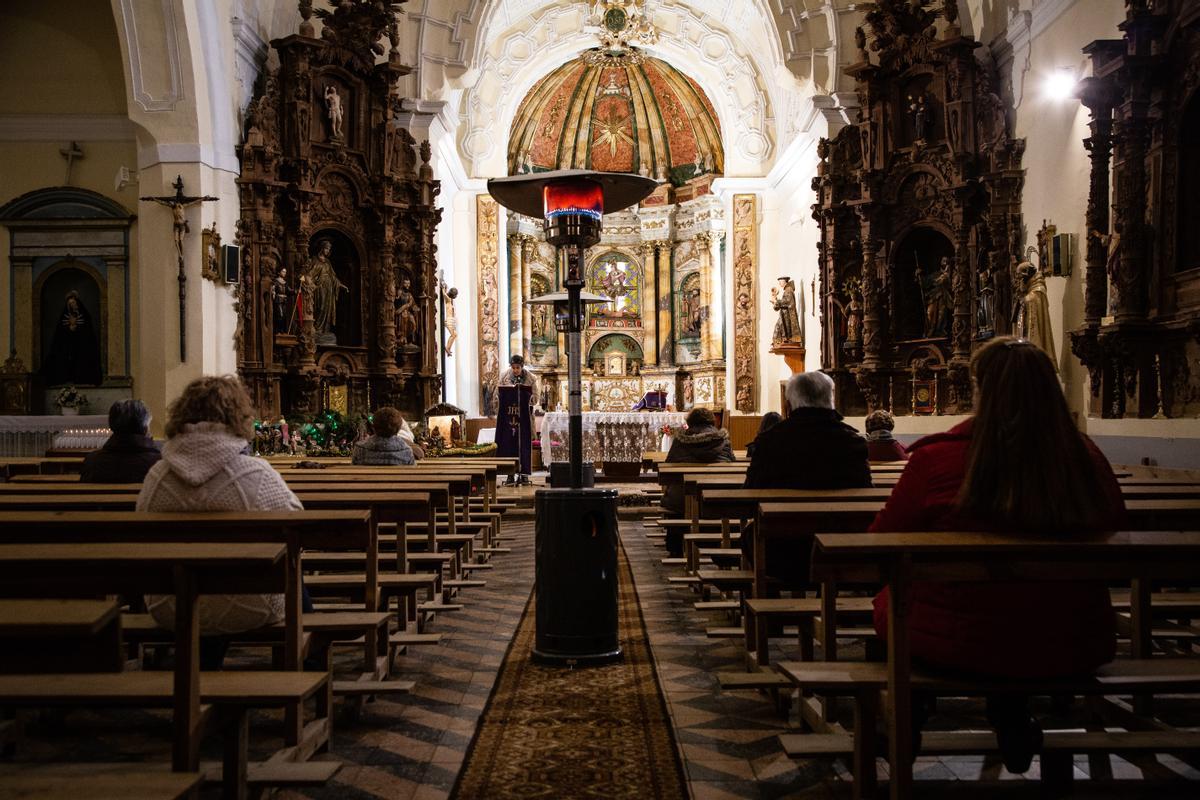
(71, 152)
(178, 203)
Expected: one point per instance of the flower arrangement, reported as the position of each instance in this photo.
(70, 397)
(667, 430)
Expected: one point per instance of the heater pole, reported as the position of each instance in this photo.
(574, 285)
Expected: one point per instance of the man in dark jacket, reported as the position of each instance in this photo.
(702, 443)
(129, 453)
(811, 449)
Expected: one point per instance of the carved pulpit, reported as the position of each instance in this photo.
(339, 290)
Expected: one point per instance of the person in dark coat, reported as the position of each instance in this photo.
(1018, 465)
(129, 453)
(811, 449)
(386, 448)
(769, 420)
(881, 445)
(701, 443)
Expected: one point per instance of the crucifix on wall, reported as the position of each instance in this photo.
(71, 152)
(178, 204)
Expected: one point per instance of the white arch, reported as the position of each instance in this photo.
(517, 56)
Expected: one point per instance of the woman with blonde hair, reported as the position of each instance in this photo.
(205, 467)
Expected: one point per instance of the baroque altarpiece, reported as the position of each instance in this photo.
(337, 297)
(919, 206)
(1141, 334)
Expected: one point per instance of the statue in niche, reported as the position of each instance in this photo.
(938, 299)
(74, 355)
(918, 108)
(1032, 315)
(784, 299)
(540, 321)
(406, 316)
(690, 312)
(985, 312)
(860, 43)
(325, 289)
(333, 107)
(1112, 259)
(281, 294)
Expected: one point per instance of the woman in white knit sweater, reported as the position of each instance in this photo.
(204, 467)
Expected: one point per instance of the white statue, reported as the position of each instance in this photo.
(333, 105)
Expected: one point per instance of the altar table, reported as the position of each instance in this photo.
(34, 435)
(612, 436)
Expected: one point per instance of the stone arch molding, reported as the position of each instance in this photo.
(512, 60)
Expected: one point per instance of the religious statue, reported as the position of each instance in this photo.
(788, 327)
(860, 43)
(690, 312)
(541, 321)
(938, 300)
(1112, 260)
(449, 317)
(280, 294)
(406, 316)
(985, 311)
(74, 355)
(325, 289)
(919, 110)
(1032, 316)
(333, 107)
(211, 268)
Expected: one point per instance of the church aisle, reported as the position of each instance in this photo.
(729, 741)
(412, 747)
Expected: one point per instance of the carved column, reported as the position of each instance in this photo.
(526, 294)
(1129, 214)
(649, 306)
(869, 275)
(666, 328)
(1099, 147)
(515, 297)
(387, 313)
(487, 224)
(960, 285)
(745, 266)
(703, 243)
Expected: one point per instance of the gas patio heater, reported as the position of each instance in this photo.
(576, 543)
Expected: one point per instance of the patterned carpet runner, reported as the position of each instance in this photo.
(598, 732)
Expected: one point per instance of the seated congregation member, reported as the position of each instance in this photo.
(881, 445)
(701, 443)
(129, 453)
(204, 468)
(1018, 465)
(811, 449)
(386, 448)
(769, 420)
(406, 433)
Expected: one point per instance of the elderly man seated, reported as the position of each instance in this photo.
(811, 449)
(129, 453)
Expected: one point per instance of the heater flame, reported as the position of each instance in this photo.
(583, 197)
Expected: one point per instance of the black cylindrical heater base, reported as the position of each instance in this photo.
(576, 577)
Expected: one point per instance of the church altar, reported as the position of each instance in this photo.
(612, 436)
(34, 435)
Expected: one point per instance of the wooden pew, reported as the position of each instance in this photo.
(94, 781)
(44, 635)
(188, 571)
(900, 559)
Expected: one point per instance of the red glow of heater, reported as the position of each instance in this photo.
(577, 197)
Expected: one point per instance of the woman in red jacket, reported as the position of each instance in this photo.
(1019, 464)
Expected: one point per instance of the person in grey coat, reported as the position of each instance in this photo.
(386, 448)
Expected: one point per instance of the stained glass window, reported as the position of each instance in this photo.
(617, 276)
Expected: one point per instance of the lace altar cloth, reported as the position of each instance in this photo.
(614, 436)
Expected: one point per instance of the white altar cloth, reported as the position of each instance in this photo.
(614, 436)
(34, 435)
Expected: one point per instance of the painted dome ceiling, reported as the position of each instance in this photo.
(623, 112)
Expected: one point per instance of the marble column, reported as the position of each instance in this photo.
(649, 304)
(515, 297)
(703, 242)
(526, 293)
(665, 329)
(118, 364)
